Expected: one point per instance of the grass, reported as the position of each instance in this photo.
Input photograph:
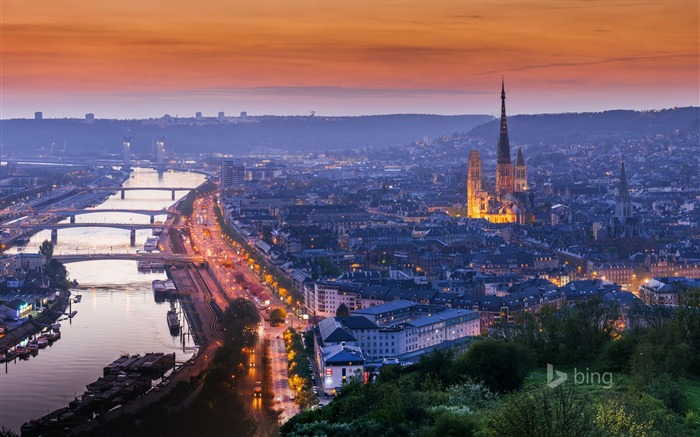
(692, 392)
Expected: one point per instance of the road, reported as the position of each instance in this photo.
(207, 239)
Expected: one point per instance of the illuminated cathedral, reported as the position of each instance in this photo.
(507, 203)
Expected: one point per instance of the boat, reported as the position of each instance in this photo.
(72, 314)
(173, 322)
(158, 287)
(42, 341)
(78, 298)
(56, 326)
(22, 241)
(169, 287)
(151, 244)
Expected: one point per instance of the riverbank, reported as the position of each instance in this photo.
(31, 327)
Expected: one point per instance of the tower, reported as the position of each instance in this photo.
(473, 184)
(520, 173)
(160, 151)
(504, 168)
(232, 177)
(126, 152)
(623, 206)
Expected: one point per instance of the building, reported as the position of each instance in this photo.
(324, 297)
(507, 203)
(667, 291)
(160, 151)
(16, 309)
(89, 118)
(232, 177)
(337, 355)
(38, 115)
(403, 327)
(399, 329)
(623, 224)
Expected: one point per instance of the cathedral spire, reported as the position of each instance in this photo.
(623, 191)
(519, 160)
(503, 152)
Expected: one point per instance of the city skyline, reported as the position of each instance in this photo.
(143, 59)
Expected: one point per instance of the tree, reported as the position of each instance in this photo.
(342, 311)
(46, 249)
(635, 414)
(278, 315)
(557, 412)
(501, 365)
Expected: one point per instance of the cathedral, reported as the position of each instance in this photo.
(507, 202)
(623, 224)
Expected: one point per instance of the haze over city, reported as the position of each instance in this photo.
(143, 59)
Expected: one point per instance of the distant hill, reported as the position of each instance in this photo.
(587, 126)
(302, 133)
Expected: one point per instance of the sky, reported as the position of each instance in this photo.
(146, 58)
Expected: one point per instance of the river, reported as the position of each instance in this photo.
(117, 314)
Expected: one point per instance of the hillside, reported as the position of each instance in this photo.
(583, 127)
(285, 133)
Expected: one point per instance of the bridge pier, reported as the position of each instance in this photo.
(54, 236)
(153, 219)
(133, 238)
(172, 195)
(122, 194)
(72, 219)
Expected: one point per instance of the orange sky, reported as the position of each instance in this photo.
(136, 58)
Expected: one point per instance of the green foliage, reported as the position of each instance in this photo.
(635, 414)
(573, 334)
(58, 274)
(324, 267)
(473, 395)
(300, 377)
(560, 412)
(342, 311)
(46, 249)
(619, 353)
(278, 315)
(451, 424)
(669, 392)
(501, 365)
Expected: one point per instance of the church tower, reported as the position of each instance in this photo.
(623, 206)
(520, 173)
(504, 167)
(473, 184)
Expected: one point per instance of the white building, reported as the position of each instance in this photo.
(397, 328)
(324, 298)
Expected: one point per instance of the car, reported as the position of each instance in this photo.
(292, 396)
(320, 405)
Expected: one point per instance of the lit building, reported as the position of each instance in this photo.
(507, 203)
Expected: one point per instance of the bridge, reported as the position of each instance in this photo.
(54, 227)
(73, 212)
(125, 189)
(157, 257)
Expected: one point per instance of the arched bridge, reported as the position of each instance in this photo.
(125, 189)
(73, 212)
(163, 257)
(54, 227)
